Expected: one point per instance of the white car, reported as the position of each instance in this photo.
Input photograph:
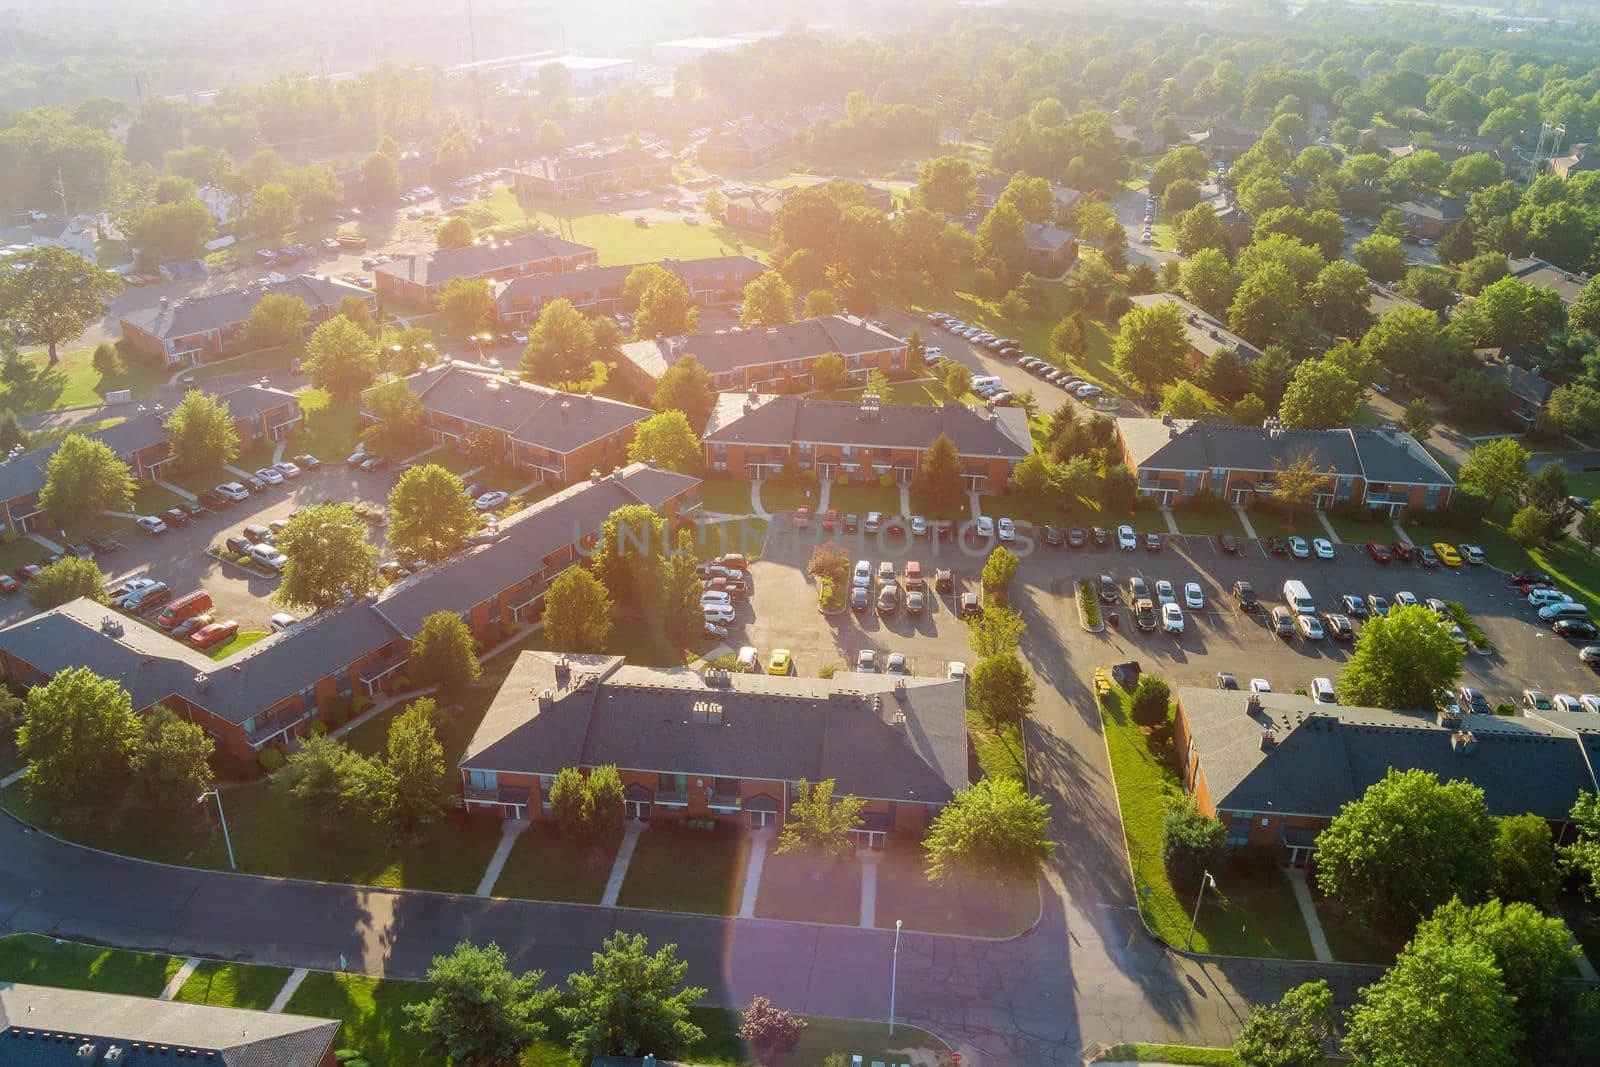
(151, 524)
(1590, 702)
(1566, 702)
(862, 578)
(955, 671)
(1322, 691)
(1541, 597)
(270, 475)
(919, 526)
(1472, 554)
(1260, 685)
(1171, 619)
(1127, 540)
(716, 596)
(1298, 548)
(867, 661)
(1008, 530)
(1087, 392)
(491, 500)
(1310, 627)
(281, 621)
(985, 526)
(1405, 599)
(895, 663)
(1165, 593)
(874, 522)
(717, 613)
(1323, 548)
(1193, 597)
(287, 469)
(269, 556)
(233, 491)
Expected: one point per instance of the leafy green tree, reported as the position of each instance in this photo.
(1320, 396)
(577, 612)
(430, 516)
(1119, 489)
(939, 474)
(997, 632)
(1405, 660)
(1282, 254)
(1526, 867)
(1405, 847)
(1547, 490)
(341, 358)
(406, 351)
(1261, 306)
(1575, 409)
(329, 557)
(1588, 530)
(83, 478)
(1151, 348)
(12, 435)
(1499, 468)
(79, 736)
(1482, 271)
(1419, 418)
(1434, 289)
(1209, 281)
(820, 302)
(168, 231)
(560, 345)
(200, 433)
(1192, 843)
(999, 569)
(323, 779)
(769, 1032)
(1338, 299)
(630, 1002)
(1001, 690)
(685, 386)
(397, 409)
(588, 807)
(947, 185)
(1381, 257)
(829, 373)
(1033, 198)
(409, 787)
(378, 178)
(667, 439)
(277, 319)
(1185, 400)
(1151, 701)
(819, 825)
(1068, 337)
(1581, 855)
(478, 1014)
(1003, 245)
(1531, 526)
(456, 232)
(172, 764)
(993, 828)
(1405, 340)
(1251, 410)
(67, 580)
(468, 303)
(1199, 228)
(444, 653)
(272, 209)
(1290, 1033)
(768, 301)
(49, 296)
(664, 307)
(1512, 312)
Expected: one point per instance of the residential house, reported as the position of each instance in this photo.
(223, 206)
(760, 436)
(1384, 298)
(554, 436)
(598, 290)
(259, 413)
(1566, 284)
(198, 329)
(1176, 460)
(781, 356)
(1228, 138)
(417, 280)
(1207, 335)
(583, 175)
(745, 147)
(720, 745)
(1276, 768)
(1579, 158)
(1527, 387)
(1225, 205)
(1051, 250)
(1144, 139)
(270, 693)
(990, 186)
(1433, 217)
(47, 1026)
(753, 208)
(76, 235)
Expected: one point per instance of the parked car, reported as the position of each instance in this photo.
(287, 469)
(1171, 619)
(1377, 605)
(101, 547)
(150, 524)
(1228, 543)
(238, 546)
(1245, 594)
(491, 500)
(268, 556)
(176, 517)
(1338, 627)
(233, 491)
(281, 621)
(1404, 551)
(970, 608)
(214, 634)
(1322, 547)
(1379, 552)
(214, 500)
(1447, 554)
(888, 599)
(191, 624)
(1193, 597)
(1127, 540)
(944, 580)
(1283, 622)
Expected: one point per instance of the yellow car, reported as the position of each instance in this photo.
(1447, 554)
(781, 662)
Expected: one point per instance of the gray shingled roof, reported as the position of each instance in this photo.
(29, 1014)
(443, 264)
(1566, 284)
(1201, 445)
(728, 351)
(783, 729)
(534, 414)
(1326, 756)
(591, 279)
(203, 314)
(1206, 334)
(573, 164)
(778, 420)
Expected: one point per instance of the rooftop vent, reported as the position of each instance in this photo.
(1463, 742)
(707, 713)
(202, 680)
(111, 625)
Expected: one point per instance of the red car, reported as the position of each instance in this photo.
(1378, 551)
(176, 517)
(28, 571)
(1404, 551)
(214, 634)
(802, 515)
(9, 584)
(831, 519)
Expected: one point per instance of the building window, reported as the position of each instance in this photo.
(546, 782)
(1238, 836)
(1432, 500)
(341, 680)
(483, 779)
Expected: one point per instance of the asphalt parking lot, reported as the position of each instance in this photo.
(782, 612)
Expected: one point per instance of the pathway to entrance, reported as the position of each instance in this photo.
(1308, 912)
(619, 868)
(1333, 535)
(1244, 520)
(510, 830)
(869, 888)
(753, 866)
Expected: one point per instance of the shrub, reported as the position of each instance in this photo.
(1088, 602)
(1459, 614)
(318, 728)
(1151, 699)
(1191, 843)
(360, 704)
(271, 759)
(1505, 709)
(886, 480)
(401, 683)
(828, 671)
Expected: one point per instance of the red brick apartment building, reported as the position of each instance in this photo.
(1276, 768)
(198, 329)
(585, 175)
(1386, 471)
(259, 413)
(718, 745)
(780, 356)
(745, 147)
(554, 436)
(598, 290)
(758, 436)
(271, 692)
(418, 280)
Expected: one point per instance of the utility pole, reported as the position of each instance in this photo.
(61, 191)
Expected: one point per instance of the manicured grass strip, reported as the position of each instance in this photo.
(1211, 523)
(687, 870)
(1000, 755)
(233, 985)
(73, 382)
(990, 908)
(547, 865)
(801, 887)
(1358, 532)
(1252, 911)
(152, 499)
(328, 431)
(372, 1011)
(726, 496)
(1272, 524)
(38, 960)
(776, 497)
(861, 499)
(748, 536)
(238, 643)
(1152, 1052)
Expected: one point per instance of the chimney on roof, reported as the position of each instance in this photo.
(1269, 739)
(594, 477)
(1450, 720)
(1253, 705)
(1463, 742)
(546, 699)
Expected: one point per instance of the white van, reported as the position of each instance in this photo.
(1298, 597)
(984, 381)
(1322, 691)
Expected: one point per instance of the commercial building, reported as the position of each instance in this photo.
(684, 49)
(720, 745)
(1176, 460)
(598, 290)
(584, 175)
(417, 280)
(555, 437)
(1276, 768)
(584, 74)
(759, 436)
(198, 329)
(76, 235)
(778, 356)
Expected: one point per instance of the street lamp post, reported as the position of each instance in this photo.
(226, 840)
(1205, 880)
(894, 973)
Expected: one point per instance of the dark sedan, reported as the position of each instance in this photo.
(1076, 538)
(1575, 628)
(1228, 543)
(1054, 536)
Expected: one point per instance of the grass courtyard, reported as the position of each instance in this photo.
(687, 870)
(72, 382)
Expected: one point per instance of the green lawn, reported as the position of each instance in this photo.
(152, 499)
(1252, 912)
(258, 362)
(457, 463)
(239, 642)
(1220, 521)
(993, 907)
(1358, 532)
(330, 431)
(373, 1014)
(687, 870)
(735, 535)
(864, 497)
(22, 550)
(776, 497)
(1275, 524)
(1350, 942)
(802, 888)
(1153, 1052)
(999, 755)
(254, 456)
(233, 985)
(72, 382)
(726, 496)
(547, 865)
(1567, 560)
(924, 392)
(198, 481)
(45, 961)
